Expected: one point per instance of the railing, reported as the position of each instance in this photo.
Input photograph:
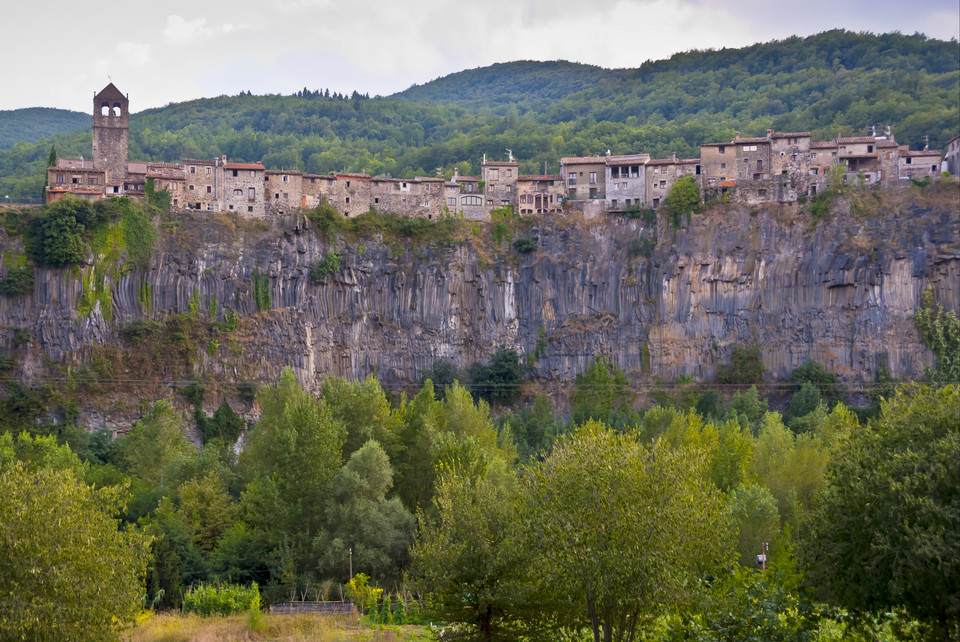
(6, 200)
(331, 608)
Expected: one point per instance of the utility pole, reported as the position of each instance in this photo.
(351, 562)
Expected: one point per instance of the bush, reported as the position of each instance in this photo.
(206, 599)
(260, 284)
(745, 367)
(17, 281)
(327, 266)
(499, 381)
(524, 245)
(683, 198)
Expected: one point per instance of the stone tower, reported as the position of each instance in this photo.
(111, 130)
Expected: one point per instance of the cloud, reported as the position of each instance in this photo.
(134, 54)
(178, 29)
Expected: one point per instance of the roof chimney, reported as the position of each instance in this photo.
(736, 135)
(769, 133)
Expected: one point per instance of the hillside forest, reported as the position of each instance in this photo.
(836, 81)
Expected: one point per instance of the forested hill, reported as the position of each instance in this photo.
(834, 81)
(529, 82)
(34, 123)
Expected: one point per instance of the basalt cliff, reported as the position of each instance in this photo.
(657, 300)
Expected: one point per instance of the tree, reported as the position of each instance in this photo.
(598, 392)
(67, 571)
(630, 530)
(468, 558)
(361, 519)
(683, 198)
(154, 443)
(940, 331)
(499, 381)
(292, 460)
(363, 409)
(885, 532)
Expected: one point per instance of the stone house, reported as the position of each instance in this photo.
(283, 190)
(662, 173)
(539, 194)
(169, 177)
(203, 184)
(243, 188)
(626, 181)
(76, 177)
(951, 157)
(351, 193)
(470, 202)
(918, 164)
(584, 177)
(315, 188)
(500, 184)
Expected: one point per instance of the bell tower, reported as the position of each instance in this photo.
(111, 131)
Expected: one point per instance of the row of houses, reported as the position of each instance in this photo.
(778, 167)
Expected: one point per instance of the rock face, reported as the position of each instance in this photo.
(841, 292)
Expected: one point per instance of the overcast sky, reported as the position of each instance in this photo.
(57, 53)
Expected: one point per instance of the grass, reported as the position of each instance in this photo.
(173, 627)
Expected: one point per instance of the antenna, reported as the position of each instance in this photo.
(510, 155)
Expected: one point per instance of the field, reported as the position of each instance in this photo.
(172, 627)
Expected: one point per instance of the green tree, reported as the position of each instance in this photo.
(154, 443)
(940, 331)
(361, 519)
(67, 571)
(363, 409)
(885, 533)
(468, 558)
(292, 459)
(498, 381)
(630, 530)
(683, 198)
(755, 515)
(599, 392)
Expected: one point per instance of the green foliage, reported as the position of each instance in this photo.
(469, 559)
(939, 330)
(524, 244)
(17, 281)
(883, 535)
(363, 410)
(58, 536)
(757, 520)
(157, 200)
(260, 287)
(327, 266)
(400, 231)
(226, 599)
(683, 199)
(56, 237)
(20, 337)
(442, 374)
(361, 593)
(378, 531)
(621, 519)
(500, 380)
(154, 443)
(642, 246)
(225, 424)
(745, 367)
(599, 392)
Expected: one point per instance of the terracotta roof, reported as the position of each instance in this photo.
(856, 139)
(469, 179)
(136, 168)
(824, 144)
(326, 176)
(499, 163)
(664, 161)
(728, 183)
(687, 161)
(194, 161)
(545, 177)
(244, 166)
(352, 175)
(75, 163)
(583, 160)
(750, 141)
(429, 179)
(291, 172)
(919, 152)
(790, 135)
(165, 165)
(628, 159)
(887, 143)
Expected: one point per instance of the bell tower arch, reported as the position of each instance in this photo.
(111, 132)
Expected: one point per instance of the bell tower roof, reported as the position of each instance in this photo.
(110, 92)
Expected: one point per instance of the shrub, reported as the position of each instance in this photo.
(327, 266)
(17, 281)
(745, 367)
(525, 244)
(683, 198)
(206, 599)
(261, 291)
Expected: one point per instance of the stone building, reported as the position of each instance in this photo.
(662, 173)
(918, 164)
(283, 190)
(243, 188)
(111, 134)
(471, 204)
(951, 157)
(76, 177)
(203, 184)
(626, 181)
(584, 177)
(499, 184)
(539, 194)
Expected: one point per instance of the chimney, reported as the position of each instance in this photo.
(769, 133)
(737, 135)
(456, 174)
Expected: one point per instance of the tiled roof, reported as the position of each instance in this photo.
(196, 161)
(919, 152)
(583, 160)
(254, 166)
(352, 175)
(468, 179)
(75, 163)
(628, 159)
(825, 144)
(856, 139)
(790, 135)
(136, 168)
(887, 143)
(291, 172)
(750, 141)
(546, 177)
(500, 163)
(663, 161)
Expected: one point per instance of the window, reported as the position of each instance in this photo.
(209, 189)
(909, 161)
(933, 168)
(286, 195)
(212, 207)
(252, 194)
(663, 184)
(207, 169)
(252, 173)
(276, 195)
(869, 149)
(573, 179)
(814, 155)
(509, 188)
(493, 174)
(348, 184)
(249, 208)
(60, 178)
(286, 179)
(471, 200)
(75, 180)
(426, 187)
(348, 199)
(722, 149)
(94, 180)
(723, 166)
(191, 188)
(613, 203)
(452, 201)
(193, 170)
(761, 192)
(235, 172)
(238, 192)
(376, 199)
(749, 148)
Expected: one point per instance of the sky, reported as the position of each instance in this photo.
(58, 54)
